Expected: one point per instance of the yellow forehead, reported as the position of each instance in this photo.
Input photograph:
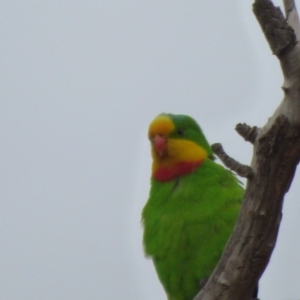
(161, 125)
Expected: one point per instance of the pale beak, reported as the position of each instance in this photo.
(160, 144)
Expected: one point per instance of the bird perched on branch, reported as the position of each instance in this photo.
(192, 207)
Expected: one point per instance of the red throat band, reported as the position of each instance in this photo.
(167, 173)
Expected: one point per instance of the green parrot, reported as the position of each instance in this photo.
(192, 207)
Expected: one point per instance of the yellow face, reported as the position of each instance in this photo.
(175, 150)
(161, 125)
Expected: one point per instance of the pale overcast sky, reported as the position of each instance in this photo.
(80, 82)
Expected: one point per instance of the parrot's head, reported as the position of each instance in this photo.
(178, 146)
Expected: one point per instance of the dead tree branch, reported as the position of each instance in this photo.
(292, 16)
(232, 164)
(247, 132)
(276, 148)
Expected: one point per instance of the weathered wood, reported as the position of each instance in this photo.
(247, 132)
(229, 162)
(276, 154)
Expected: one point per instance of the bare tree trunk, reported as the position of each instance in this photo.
(276, 155)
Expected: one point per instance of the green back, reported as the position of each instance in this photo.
(187, 223)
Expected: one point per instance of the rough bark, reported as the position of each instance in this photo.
(276, 148)
(229, 162)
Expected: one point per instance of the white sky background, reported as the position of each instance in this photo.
(80, 81)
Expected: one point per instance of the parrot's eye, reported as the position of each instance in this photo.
(180, 131)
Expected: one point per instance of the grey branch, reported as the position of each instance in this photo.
(278, 33)
(232, 164)
(247, 132)
(292, 16)
(276, 154)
